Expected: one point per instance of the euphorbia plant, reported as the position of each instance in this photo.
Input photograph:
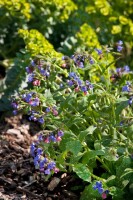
(84, 106)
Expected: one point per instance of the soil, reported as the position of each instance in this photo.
(19, 180)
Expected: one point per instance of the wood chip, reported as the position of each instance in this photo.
(53, 183)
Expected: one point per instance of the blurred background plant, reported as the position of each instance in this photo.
(40, 27)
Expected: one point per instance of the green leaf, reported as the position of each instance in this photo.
(92, 154)
(83, 172)
(121, 105)
(88, 131)
(74, 146)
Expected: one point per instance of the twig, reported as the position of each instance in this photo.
(29, 184)
(20, 189)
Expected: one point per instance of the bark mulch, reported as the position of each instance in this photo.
(18, 177)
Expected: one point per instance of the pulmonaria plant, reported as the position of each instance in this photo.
(84, 106)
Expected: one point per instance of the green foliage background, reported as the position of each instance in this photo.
(31, 27)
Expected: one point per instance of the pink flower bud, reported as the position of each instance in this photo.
(36, 83)
(64, 65)
(55, 112)
(77, 89)
(58, 139)
(56, 170)
(104, 196)
(46, 140)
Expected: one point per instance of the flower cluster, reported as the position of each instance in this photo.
(98, 186)
(78, 84)
(32, 102)
(41, 160)
(127, 87)
(119, 46)
(123, 70)
(119, 72)
(37, 68)
(79, 60)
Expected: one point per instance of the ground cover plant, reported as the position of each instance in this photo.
(83, 103)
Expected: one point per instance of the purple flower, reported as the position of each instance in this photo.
(47, 171)
(15, 112)
(91, 61)
(34, 102)
(120, 42)
(72, 75)
(30, 77)
(79, 82)
(60, 133)
(84, 88)
(81, 64)
(47, 109)
(51, 165)
(14, 105)
(52, 138)
(41, 120)
(98, 186)
(33, 63)
(43, 71)
(42, 162)
(70, 83)
(126, 68)
(130, 101)
(126, 88)
(99, 51)
(118, 70)
(119, 46)
(27, 97)
(36, 160)
(32, 149)
(39, 151)
(40, 138)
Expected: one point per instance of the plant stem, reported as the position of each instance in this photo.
(104, 165)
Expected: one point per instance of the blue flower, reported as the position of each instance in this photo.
(30, 77)
(118, 70)
(70, 83)
(119, 46)
(33, 63)
(27, 97)
(52, 138)
(51, 165)
(99, 51)
(120, 42)
(126, 88)
(47, 171)
(98, 186)
(47, 110)
(126, 68)
(72, 75)
(39, 151)
(130, 101)
(42, 162)
(14, 112)
(34, 102)
(91, 61)
(36, 160)
(41, 120)
(60, 133)
(32, 149)
(84, 88)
